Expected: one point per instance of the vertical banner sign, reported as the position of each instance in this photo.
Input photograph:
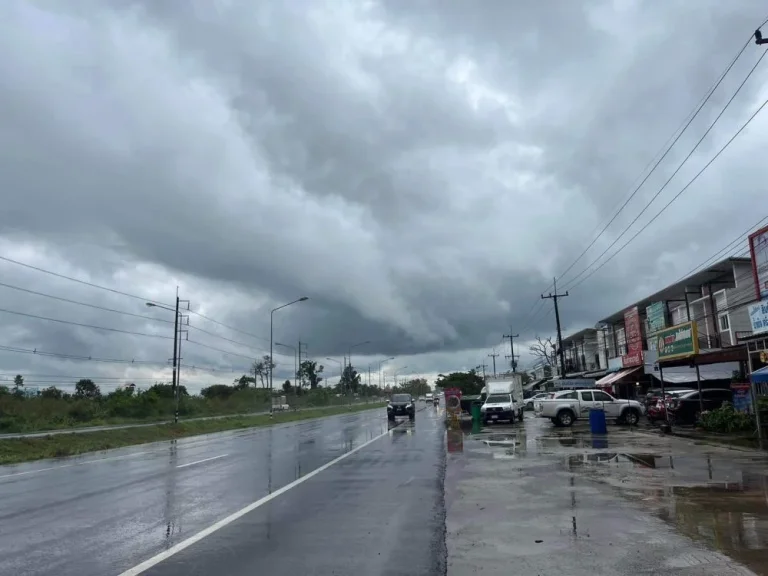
(634, 336)
(656, 319)
(758, 248)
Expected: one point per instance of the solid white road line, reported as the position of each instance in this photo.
(201, 461)
(74, 464)
(155, 560)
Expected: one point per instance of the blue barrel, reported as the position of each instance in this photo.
(597, 423)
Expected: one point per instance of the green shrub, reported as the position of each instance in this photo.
(726, 419)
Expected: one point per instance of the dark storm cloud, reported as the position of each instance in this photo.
(420, 170)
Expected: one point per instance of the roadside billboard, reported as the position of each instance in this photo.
(758, 317)
(679, 341)
(656, 318)
(633, 333)
(758, 248)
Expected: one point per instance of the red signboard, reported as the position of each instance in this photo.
(633, 334)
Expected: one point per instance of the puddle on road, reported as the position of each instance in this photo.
(713, 496)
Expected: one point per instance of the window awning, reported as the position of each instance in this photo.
(611, 379)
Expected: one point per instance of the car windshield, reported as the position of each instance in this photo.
(497, 398)
(400, 398)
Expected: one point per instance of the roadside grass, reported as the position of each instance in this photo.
(15, 450)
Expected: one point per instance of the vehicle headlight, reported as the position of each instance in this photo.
(409, 405)
(389, 406)
(482, 408)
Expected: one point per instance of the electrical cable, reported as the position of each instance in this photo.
(668, 204)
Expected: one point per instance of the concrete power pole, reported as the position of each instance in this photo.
(493, 355)
(512, 348)
(560, 351)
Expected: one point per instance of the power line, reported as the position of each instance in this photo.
(668, 150)
(94, 327)
(686, 123)
(83, 282)
(201, 315)
(668, 204)
(86, 304)
(224, 338)
(741, 238)
(75, 357)
(677, 170)
(121, 293)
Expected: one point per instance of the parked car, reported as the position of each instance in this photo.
(567, 408)
(658, 409)
(528, 404)
(537, 406)
(654, 394)
(687, 408)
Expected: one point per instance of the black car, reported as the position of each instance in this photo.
(686, 408)
(401, 405)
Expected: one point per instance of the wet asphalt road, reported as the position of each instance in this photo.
(377, 511)
(351, 495)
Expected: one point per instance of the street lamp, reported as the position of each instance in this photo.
(399, 370)
(349, 356)
(295, 361)
(341, 371)
(271, 362)
(380, 363)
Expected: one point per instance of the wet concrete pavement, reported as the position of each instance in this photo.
(352, 495)
(534, 499)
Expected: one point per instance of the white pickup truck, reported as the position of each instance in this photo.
(567, 407)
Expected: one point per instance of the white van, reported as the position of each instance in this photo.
(503, 399)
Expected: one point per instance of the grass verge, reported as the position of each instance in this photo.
(14, 450)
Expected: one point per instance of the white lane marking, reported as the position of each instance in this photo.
(74, 464)
(201, 461)
(155, 560)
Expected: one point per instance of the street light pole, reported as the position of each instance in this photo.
(355, 346)
(380, 363)
(399, 370)
(295, 361)
(271, 360)
(341, 372)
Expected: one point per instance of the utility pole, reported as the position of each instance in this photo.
(493, 355)
(482, 367)
(555, 297)
(512, 348)
(301, 372)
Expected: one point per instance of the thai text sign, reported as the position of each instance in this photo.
(758, 317)
(758, 247)
(678, 341)
(634, 337)
(656, 319)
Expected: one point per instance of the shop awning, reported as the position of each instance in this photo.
(760, 376)
(686, 375)
(611, 379)
(532, 385)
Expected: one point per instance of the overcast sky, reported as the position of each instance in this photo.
(420, 169)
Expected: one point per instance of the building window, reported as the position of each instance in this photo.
(724, 324)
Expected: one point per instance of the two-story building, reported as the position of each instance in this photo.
(714, 297)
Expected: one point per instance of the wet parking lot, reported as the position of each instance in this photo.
(532, 499)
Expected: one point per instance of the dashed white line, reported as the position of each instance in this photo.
(155, 560)
(73, 465)
(201, 461)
